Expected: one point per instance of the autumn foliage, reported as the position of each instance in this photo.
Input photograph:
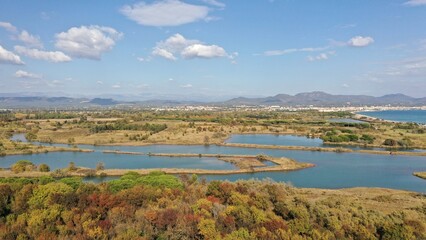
(160, 206)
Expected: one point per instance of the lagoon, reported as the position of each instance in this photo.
(291, 140)
(333, 170)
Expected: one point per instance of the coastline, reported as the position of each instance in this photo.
(360, 115)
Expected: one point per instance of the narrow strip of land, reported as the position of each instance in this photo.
(244, 163)
(321, 149)
(420, 174)
(47, 149)
(122, 152)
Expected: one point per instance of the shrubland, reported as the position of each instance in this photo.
(133, 127)
(159, 206)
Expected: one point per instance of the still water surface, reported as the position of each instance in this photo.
(417, 116)
(333, 170)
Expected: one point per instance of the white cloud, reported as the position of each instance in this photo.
(24, 74)
(8, 26)
(215, 3)
(203, 51)
(9, 57)
(293, 50)
(360, 41)
(116, 86)
(413, 69)
(30, 40)
(99, 82)
(55, 56)
(186, 86)
(144, 59)
(165, 13)
(187, 48)
(163, 53)
(321, 56)
(87, 41)
(176, 43)
(415, 3)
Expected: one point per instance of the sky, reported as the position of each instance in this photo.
(212, 49)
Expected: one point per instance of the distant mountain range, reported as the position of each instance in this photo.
(317, 99)
(322, 99)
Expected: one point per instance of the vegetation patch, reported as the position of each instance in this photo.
(159, 206)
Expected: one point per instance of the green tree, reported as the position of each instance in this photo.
(44, 168)
(42, 196)
(22, 166)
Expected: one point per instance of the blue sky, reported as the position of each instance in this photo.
(212, 49)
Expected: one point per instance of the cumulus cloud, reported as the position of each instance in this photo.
(203, 51)
(54, 56)
(24, 36)
(360, 41)
(116, 86)
(8, 26)
(9, 57)
(30, 40)
(415, 3)
(187, 48)
(87, 41)
(24, 74)
(165, 13)
(293, 50)
(161, 52)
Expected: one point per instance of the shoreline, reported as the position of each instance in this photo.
(367, 118)
(421, 175)
(240, 145)
(322, 149)
(47, 150)
(243, 163)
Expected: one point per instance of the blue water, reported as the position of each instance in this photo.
(290, 140)
(333, 170)
(417, 116)
(273, 139)
(61, 160)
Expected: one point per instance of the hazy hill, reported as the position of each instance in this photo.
(325, 99)
(318, 99)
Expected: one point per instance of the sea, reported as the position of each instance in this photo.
(417, 116)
